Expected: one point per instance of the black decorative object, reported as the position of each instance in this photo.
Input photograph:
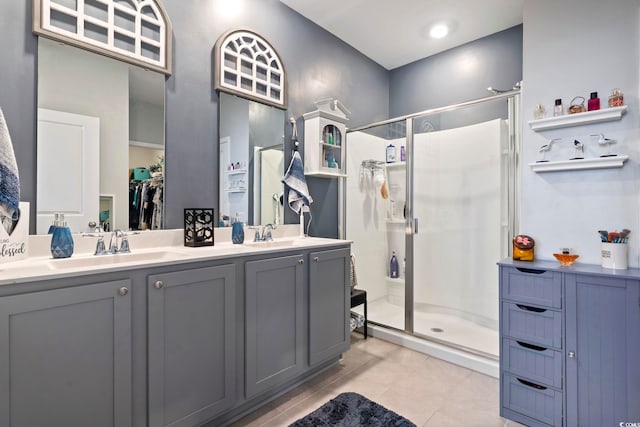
(198, 227)
(352, 410)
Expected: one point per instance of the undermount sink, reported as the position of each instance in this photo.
(271, 243)
(101, 260)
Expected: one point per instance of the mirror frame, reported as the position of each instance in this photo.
(265, 48)
(42, 27)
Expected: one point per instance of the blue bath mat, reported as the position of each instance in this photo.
(352, 410)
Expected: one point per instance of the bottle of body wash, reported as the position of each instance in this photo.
(61, 239)
(394, 272)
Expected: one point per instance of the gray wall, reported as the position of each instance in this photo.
(318, 66)
(458, 74)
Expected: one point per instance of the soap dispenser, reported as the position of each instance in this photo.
(61, 240)
(237, 231)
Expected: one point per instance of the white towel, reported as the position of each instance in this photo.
(294, 180)
(9, 180)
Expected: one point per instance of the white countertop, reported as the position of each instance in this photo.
(156, 248)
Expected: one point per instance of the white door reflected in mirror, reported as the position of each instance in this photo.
(68, 169)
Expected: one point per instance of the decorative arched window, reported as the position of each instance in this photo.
(135, 31)
(248, 66)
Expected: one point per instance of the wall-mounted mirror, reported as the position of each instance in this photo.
(251, 160)
(100, 142)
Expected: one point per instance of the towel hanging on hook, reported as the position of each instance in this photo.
(294, 133)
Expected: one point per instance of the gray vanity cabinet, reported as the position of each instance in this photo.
(603, 351)
(65, 357)
(328, 304)
(191, 345)
(274, 307)
(570, 340)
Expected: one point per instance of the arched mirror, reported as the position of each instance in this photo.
(251, 81)
(100, 130)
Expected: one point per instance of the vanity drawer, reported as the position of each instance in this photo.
(534, 325)
(539, 364)
(532, 400)
(532, 286)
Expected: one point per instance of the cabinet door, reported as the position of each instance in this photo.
(328, 304)
(603, 344)
(191, 327)
(274, 316)
(65, 357)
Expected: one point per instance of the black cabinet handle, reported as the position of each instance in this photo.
(531, 346)
(532, 385)
(530, 270)
(529, 308)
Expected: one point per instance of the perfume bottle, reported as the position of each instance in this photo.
(61, 239)
(616, 99)
(594, 102)
(237, 231)
(557, 108)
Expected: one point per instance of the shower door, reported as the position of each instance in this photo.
(446, 212)
(460, 163)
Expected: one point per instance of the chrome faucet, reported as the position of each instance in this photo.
(114, 248)
(124, 242)
(263, 233)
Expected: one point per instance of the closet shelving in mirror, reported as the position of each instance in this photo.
(578, 119)
(396, 165)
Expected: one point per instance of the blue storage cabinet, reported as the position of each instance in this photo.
(569, 344)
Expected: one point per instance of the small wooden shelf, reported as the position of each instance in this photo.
(588, 117)
(566, 165)
(334, 146)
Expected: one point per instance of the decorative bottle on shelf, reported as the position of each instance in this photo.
(557, 108)
(594, 102)
(394, 272)
(61, 239)
(237, 231)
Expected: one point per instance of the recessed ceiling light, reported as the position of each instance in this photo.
(438, 31)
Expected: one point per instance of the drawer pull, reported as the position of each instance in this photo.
(531, 346)
(530, 270)
(530, 384)
(529, 308)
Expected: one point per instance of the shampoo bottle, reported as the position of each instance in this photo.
(61, 240)
(394, 272)
(237, 231)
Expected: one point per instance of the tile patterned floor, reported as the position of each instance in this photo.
(428, 391)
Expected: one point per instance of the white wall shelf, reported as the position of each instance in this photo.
(588, 117)
(236, 171)
(581, 164)
(397, 165)
(327, 174)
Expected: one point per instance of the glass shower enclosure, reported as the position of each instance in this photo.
(445, 208)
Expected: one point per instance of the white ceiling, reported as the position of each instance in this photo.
(395, 33)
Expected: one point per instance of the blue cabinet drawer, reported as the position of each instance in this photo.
(532, 400)
(534, 325)
(539, 364)
(532, 286)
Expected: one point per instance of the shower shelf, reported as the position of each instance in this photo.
(588, 117)
(566, 165)
(395, 221)
(393, 280)
(396, 165)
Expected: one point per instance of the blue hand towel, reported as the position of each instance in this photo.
(294, 180)
(9, 180)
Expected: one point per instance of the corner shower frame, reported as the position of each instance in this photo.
(514, 119)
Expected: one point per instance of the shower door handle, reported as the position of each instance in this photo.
(415, 226)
